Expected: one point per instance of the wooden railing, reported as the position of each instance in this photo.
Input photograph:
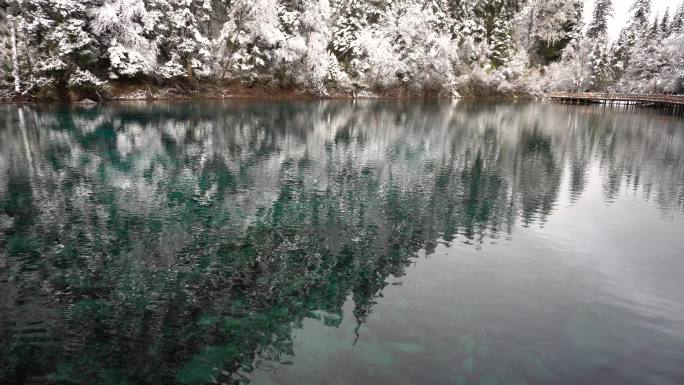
(603, 97)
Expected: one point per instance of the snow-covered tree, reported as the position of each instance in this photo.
(600, 56)
(500, 40)
(442, 20)
(466, 24)
(16, 55)
(648, 59)
(601, 66)
(184, 50)
(573, 71)
(496, 16)
(408, 48)
(322, 46)
(63, 42)
(320, 66)
(350, 19)
(545, 27)
(598, 27)
(677, 24)
(248, 40)
(127, 28)
(665, 23)
(636, 28)
(671, 75)
(641, 12)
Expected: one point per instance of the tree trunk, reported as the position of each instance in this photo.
(15, 55)
(188, 70)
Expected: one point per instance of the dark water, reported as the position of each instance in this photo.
(341, 243)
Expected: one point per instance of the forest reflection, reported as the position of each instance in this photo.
(179, 242)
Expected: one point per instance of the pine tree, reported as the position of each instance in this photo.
(500, 40)
(637, 28)
(601, 59)
(185, 52)
(575, 59)
(350, 18)
(125, 27)
(655, 32)
(665, 23)
(466, 24)
(601, 65)
(547, 26)
(495, 16)
(648, 60)
(64, 45)
(441, 21)
(653, 56)
(422, 45)
(641, 12)
(320, 65)
(677, 24)
(249, 39)
(598, 28)
(671, 76)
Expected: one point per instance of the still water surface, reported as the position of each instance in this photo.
(340, 242)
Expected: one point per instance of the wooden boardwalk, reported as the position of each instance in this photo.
(673, 104)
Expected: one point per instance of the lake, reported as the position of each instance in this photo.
(341, 242)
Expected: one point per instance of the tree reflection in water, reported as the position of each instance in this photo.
(178, 242)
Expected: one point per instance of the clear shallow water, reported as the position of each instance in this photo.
(341, 243)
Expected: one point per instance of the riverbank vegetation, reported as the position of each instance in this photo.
(69, 49)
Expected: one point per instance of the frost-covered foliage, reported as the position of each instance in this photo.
(646, 58)
(598, 28)
(587, 60)
(59, 39)
(249, 37)
(405, 49)
(320, 67)
(651, 58)
(547, 26)
(670, 78)
(348, 38)
(655, 64)
(326, 46)
(633, 33)
(186, 51)
(84, 79)
(128, 26)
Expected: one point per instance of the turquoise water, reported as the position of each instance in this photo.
(341, 242)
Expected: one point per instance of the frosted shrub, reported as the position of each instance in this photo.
(558, 78)
(172, 69)
(126, 23)
(126, 63)
(246, 42)
(382, 67)
(83, 79)
(672, 75)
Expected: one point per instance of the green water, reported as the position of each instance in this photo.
(341, 243)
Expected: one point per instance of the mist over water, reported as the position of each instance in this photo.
(341, 242)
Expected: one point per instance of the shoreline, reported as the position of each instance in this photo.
(268, 98)
(207, 92)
